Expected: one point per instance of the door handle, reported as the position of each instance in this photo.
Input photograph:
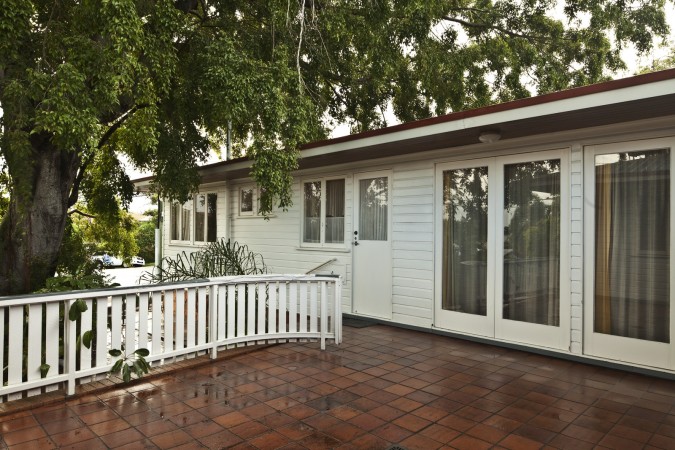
(356, 238)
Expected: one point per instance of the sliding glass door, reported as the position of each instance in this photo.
(503, 253)
(629, 313)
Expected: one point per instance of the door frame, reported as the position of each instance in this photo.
(387, 256)
(606, 346)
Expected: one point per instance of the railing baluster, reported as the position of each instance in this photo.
(283, 314)
(262, 310)
(272, 312)
(241, 311)
(324, 314)
(156, 338)
(101, 331)
(169, 301)
(250, 310)
(201, 316)
(221, 304)
(143, 320)
(52, 341)
(190, 317)
(85, 325)
(116, 322)
(34, 345)
(2, 346)
(313, 308)
(303, 307)
(15, 350)
(293, 307)
(231, 311)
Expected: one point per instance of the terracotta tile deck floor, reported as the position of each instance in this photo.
(382, 388)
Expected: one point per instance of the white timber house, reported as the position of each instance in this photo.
(543, 223)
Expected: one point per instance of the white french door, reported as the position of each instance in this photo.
(628, 216)
(502, 263)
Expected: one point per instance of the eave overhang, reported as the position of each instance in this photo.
(641, 97)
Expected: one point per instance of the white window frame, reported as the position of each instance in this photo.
(322, 215)
(254, 201)
(193, 219)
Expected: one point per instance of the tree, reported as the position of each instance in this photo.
(82, 82)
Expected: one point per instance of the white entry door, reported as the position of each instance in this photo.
(371, 245)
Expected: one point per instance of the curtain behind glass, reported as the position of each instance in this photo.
(186, 221)
(632, 242)
(175, 221)
(200, 217)
(532, 242)
(373, 209)
(211, 219)
(335, 211)
(465, 228)
(312, 212)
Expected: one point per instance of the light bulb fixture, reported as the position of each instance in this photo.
(489, 136)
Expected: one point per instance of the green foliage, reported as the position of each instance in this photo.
(114, 233)
(130, 364)
(216, 259)
(145, 239)
(158, 81)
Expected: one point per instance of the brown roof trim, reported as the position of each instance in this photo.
(621, 83)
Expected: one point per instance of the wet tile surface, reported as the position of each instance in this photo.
(383, 386)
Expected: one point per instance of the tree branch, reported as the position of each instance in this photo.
(82, 213)
(75, 191)
(492, 27)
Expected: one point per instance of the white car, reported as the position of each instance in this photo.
(107, 260)
(137, 261)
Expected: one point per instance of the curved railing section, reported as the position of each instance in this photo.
(41, 350)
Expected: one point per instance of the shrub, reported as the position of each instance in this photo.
(216, 259)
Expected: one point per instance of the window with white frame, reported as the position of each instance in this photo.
(195, 220)
(324, 212)
(246, 201)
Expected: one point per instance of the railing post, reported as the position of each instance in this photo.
(324, 315)
(70, 349)
(213, 320)
(338, 310)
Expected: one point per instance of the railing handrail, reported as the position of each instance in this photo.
(48, 297)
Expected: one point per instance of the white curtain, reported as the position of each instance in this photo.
(373, 209)
(532, 242)
(335, 211)
(465, 220)
(632, 241)
(312, 212)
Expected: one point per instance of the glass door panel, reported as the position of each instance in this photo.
(531, 266)
(628, 192)
(632, 234)
(465, 233)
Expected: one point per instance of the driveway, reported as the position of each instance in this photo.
(127, 276)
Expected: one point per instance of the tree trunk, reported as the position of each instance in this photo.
(32, 229)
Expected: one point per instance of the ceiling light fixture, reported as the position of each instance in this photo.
(488, 137)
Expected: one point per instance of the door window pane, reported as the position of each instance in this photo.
(200, 217)
(186, 220)
(312, 208)
(465, 229)
(246, 201)
(335, 211)
(632, 241)
(175, 221)
(211, 220)
(532, 242)
(373, 209)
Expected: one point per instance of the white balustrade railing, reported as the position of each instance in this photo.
(173, 321)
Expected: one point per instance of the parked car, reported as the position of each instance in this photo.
(107, 260)
(137, 261)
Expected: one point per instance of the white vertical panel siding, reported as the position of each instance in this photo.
(412, 243)
(576, 248)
